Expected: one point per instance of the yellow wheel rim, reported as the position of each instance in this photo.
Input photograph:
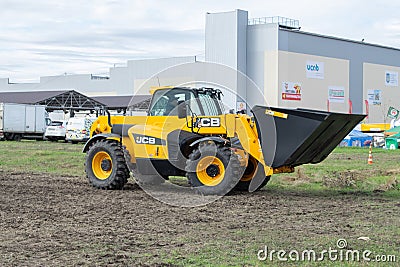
(247, 176)
(210, 171)
(102, 165)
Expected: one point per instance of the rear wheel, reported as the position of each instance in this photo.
(105, 165)
(213, 170)
(253, 178)
(17, 137)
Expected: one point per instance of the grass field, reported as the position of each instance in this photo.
(345, 169)
(42, 157)
(51, 216)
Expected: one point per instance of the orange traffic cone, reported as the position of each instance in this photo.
(370, 154)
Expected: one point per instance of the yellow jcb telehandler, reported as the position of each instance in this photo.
(186, 133)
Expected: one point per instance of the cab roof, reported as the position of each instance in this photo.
(217, 93)
(153, 89)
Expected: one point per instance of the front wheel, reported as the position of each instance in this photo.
(253, 178)
(212, 169)
(8, 136)
(105, 165)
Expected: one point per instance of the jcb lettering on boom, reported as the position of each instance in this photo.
(209, 122)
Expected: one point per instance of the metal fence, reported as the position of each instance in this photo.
(286, 22)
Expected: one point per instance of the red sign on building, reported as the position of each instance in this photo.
(288, 96)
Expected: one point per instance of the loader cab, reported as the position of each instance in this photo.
(200, 102)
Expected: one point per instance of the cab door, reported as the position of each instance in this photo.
(163, 112)
(150, 138)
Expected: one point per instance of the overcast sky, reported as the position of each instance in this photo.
(44, 37)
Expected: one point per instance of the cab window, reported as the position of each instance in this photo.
(210, 105)
(165, 102)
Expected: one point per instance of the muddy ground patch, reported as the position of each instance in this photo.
(60, 220)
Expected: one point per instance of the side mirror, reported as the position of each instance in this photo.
(182, 111)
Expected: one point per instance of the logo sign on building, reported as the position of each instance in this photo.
(391, 78)
(241, 107)
(336, 94)
(315, 70)
(375, 97)
(291, 91)
(393, 113)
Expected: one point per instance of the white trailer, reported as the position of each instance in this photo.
(19, 121)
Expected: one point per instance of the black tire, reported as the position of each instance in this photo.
(105, 165)
(244, 186)
(8, 136)
(17, 137)
(253, 178)
(204, 167)
(140, 178)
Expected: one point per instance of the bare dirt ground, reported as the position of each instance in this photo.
(51, 220)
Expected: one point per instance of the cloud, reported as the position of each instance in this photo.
(97, 42)
(44, 37)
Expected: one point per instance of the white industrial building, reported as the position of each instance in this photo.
(121, 80)
(292, 68)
